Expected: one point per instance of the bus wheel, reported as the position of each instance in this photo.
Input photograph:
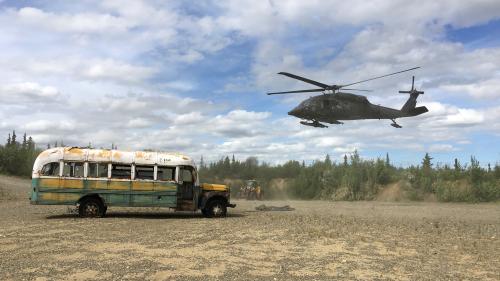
(215, 209)
(91, 208)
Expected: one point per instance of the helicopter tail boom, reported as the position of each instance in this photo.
(417, 111)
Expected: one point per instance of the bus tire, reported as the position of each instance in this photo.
(91, 208)
(215, 208)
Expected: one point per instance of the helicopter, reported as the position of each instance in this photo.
(334, 105)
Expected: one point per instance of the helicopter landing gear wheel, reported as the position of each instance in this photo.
(395, 125)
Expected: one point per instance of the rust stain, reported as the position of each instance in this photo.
(67, 183)
(142, 186)
(49, 183)
(74, 150)
(119, 185)
(98, 184)
(104, 154)
(61, 197)
(117, 154)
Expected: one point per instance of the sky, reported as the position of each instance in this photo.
(191, 76)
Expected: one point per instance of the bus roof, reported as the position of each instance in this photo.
(113, 156)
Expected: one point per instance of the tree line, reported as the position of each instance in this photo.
(354, 178)
(17, 156)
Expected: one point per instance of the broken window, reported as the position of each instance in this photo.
(144, 172)
(121, 171)
(186, 175)
(166, 174)
(73, 169)
(98, 170)
(51, 169)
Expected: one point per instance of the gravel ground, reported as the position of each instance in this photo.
(317, 241)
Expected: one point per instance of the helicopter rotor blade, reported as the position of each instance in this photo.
(378, 77)
(298, 91)
(361, 90)
(303, 79)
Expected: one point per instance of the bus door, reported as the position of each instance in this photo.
(187, 195)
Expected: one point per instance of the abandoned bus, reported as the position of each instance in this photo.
(94, 179)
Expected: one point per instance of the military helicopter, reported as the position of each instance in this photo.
(334, 105)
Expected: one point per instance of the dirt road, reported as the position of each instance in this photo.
(317, 241)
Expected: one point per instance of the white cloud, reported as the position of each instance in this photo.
(239, 123)
(50, 125)
(441, 148)
(27, 92)
(80, 23)
(139, 123)
(189, 118)
(113, 70)
(489, 89)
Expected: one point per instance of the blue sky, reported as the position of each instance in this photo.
(192, 76)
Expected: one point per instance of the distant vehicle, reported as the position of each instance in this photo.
(334, 105)
(95, 179)
(251, 191)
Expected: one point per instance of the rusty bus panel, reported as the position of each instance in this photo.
(122, 156)
(99, 155)
(75, 154)
(145, 158)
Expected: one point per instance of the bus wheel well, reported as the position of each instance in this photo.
(216, 197)
(215, 207)
(92, 196)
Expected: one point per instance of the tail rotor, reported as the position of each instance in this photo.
(409, 108)
(413, 90)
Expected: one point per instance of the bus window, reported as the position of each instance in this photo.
(166, 174)
(144, 172)
(51, 169)
(186, 175)
(73, 169)
(98, 170)
(121, 171)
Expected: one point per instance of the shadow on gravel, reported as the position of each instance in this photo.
(144, 215)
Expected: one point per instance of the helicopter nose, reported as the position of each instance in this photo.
(295, 112)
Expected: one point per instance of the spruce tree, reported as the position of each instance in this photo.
(13, 140)
(426, 177)
(25, 141)
(328, 162)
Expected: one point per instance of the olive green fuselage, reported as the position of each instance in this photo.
(330, 108)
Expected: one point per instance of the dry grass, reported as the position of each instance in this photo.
(319, 240)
